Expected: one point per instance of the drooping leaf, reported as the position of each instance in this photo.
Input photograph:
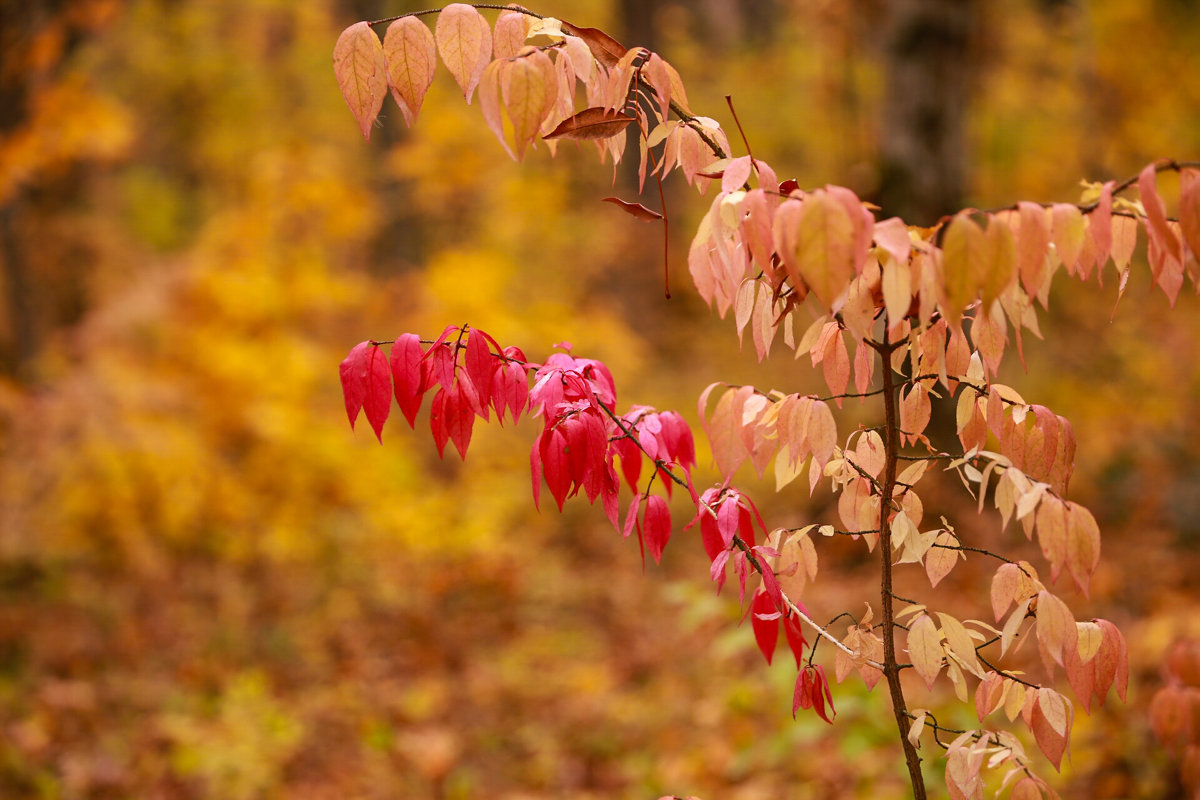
(408, 375)
(361, 72)
(822, 248)
(464, 41)
(411, 55)
(508, 36)
(1033, 241)
(605, 49)
(965, 263)
(1083, 545)
(764, 619)
(925, 648)
(528, 87)
(635, 210)
(656, 526)
(1189, 209)
(591, 124)
(353, 371)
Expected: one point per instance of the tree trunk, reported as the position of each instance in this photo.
(923, 146)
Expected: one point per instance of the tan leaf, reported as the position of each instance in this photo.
(361, 73)
(411, 55)
(1055, 626)
(1009, 632)
(941, 558)
(1067, 232)
(961, 644)
(1088, 640)
(464, 41)
(925, 648)
(528, 87)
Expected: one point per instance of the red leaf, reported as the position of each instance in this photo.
(605, 49)
(367, 385)
(480, 364)
(408, 375)
(766, 631)
(556, 467)
(354, 386)
(802, 696)
(378, 402)
(657, 526)
(437, 421)
(636, 210)
(793, 630)
(589, 124)
(460, 417)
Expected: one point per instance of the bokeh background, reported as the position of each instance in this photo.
(211, 587)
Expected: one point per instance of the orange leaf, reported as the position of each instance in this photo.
(411, 56)
(1083, 544)
(1051, 724)
(464, 41)
(605, 49)
(1055, 626)
(1033, 240)
(636, 210)
(361, 73)
(964, 265)
(591, 123)
(1002, 260)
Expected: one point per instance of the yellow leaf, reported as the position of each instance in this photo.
(965, 255)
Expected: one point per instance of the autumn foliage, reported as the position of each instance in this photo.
(906, 314)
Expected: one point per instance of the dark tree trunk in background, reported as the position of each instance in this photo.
(923, 132)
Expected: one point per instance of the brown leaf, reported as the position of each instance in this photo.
(605, 49)
(590, 124)
(635, 209)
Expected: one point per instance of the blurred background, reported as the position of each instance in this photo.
(211, 587)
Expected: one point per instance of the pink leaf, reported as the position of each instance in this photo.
(411, 56)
